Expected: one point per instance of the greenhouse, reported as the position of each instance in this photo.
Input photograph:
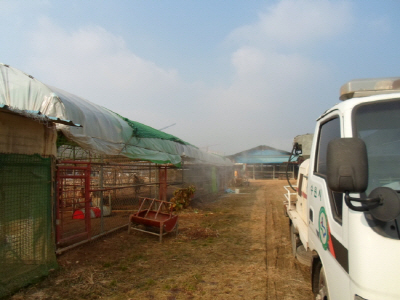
(62, 155)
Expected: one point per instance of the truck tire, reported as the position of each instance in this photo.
(295, 240)
(304, 256)
(322, 293)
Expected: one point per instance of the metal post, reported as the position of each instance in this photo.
(162, 183)
(151, 187)
(101, 185)
(59, 221)
(75, 202)
(156, 190)
(115, 184)
(183, 167)
(88, 209)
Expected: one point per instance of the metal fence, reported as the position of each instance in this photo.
(265, 171)
(109, 188)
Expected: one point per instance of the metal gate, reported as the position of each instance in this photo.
(73, 200)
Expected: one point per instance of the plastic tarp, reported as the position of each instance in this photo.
(102, 130)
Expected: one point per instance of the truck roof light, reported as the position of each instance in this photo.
(368, 87)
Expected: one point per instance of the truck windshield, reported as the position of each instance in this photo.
(378, 124)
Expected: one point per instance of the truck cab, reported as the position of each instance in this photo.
(347, 212)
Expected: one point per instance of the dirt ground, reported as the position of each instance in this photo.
(237, 247)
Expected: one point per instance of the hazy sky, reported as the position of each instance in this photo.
(232, 75)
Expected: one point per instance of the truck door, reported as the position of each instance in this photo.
(326, 210)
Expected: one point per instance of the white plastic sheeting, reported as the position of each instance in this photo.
(102, 130)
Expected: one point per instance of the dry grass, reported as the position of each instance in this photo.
(220, 253)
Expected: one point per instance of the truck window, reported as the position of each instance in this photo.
(328, 131)
(378, 124)
(300, 185)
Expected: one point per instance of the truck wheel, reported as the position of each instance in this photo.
(303, 256)
(322, 287)
(294, 237)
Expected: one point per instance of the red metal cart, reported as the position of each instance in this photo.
(155, 217)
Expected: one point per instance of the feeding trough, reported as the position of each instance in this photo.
(155, 217)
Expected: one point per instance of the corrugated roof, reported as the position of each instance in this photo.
(261, 155)
(260, 149)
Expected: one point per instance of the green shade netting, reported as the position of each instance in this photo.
(143, 131)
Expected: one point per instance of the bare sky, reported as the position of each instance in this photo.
(232, 75)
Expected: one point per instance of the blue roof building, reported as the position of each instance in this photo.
(263, 162)
(261, 155)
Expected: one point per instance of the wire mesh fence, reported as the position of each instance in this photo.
(108, 189)
(26, 244)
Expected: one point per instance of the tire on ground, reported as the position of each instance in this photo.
(295, 239)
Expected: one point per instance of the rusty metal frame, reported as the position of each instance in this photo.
(84, 169)
(162, 178)
(165, 222)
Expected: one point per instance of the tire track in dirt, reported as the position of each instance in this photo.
(286, 277)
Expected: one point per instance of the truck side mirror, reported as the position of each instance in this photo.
(347, 165)
(347, 171)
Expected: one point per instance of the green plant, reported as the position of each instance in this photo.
(182, 197)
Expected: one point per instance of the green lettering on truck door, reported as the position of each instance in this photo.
(317, 193)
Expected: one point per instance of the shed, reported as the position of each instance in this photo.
(27, 160)
(263, 162)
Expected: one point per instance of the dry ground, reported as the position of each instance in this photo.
(237, 247)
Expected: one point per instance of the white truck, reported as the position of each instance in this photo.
(344, 211)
